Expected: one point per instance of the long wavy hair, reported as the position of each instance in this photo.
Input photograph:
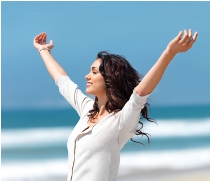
(120, 80)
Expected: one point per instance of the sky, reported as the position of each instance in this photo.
(140, 31)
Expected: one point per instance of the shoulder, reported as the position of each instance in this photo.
(136, 101)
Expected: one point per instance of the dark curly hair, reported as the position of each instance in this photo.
(120, 79)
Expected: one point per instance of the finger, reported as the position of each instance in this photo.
(195, 36)
(41, 38)
(193, 39)
(45, 38)
(184, 38)
(40, 35)
(190, 33)
(189, 37)
(179, 36)
(37, 37)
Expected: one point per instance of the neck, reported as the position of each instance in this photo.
(102, 105)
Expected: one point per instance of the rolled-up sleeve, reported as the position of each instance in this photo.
(70, 91)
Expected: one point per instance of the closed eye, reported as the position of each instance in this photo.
(94, 70)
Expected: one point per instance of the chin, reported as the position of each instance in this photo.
(89, 92)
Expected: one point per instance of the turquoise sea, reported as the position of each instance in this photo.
(33, 142)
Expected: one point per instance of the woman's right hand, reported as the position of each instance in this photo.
(40, 42)
(52, 66)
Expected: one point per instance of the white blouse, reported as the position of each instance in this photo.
(94, 154)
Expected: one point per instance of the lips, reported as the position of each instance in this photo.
(88, 84)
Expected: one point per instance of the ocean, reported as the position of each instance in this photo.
(34, 142)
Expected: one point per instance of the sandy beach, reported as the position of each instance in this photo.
(198, 174)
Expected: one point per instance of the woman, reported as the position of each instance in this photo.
(110, 120)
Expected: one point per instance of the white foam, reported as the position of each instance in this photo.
(33, 170)
(34, 137)
(179, 159)
(178, 128)
(45, 169)
(47, 136)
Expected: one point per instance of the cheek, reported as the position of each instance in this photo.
(101, 84)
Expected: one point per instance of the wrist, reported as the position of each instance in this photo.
(170, 51)
(43, 49)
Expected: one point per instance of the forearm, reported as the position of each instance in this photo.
(153, 77)
(54, 69)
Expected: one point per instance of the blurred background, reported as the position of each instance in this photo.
(36, 120)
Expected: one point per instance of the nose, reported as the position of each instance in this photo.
(87, 77)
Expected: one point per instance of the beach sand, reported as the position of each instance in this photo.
(198, 174)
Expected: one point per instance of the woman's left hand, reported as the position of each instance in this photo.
(182, 44)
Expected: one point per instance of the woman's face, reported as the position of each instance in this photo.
(95, 81)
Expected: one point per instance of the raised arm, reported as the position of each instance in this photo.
(54, 69)
(177, 45)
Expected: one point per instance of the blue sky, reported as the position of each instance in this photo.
(138, 30)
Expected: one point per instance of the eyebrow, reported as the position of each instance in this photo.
(94, 68)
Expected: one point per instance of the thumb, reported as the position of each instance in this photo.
(51, 44)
